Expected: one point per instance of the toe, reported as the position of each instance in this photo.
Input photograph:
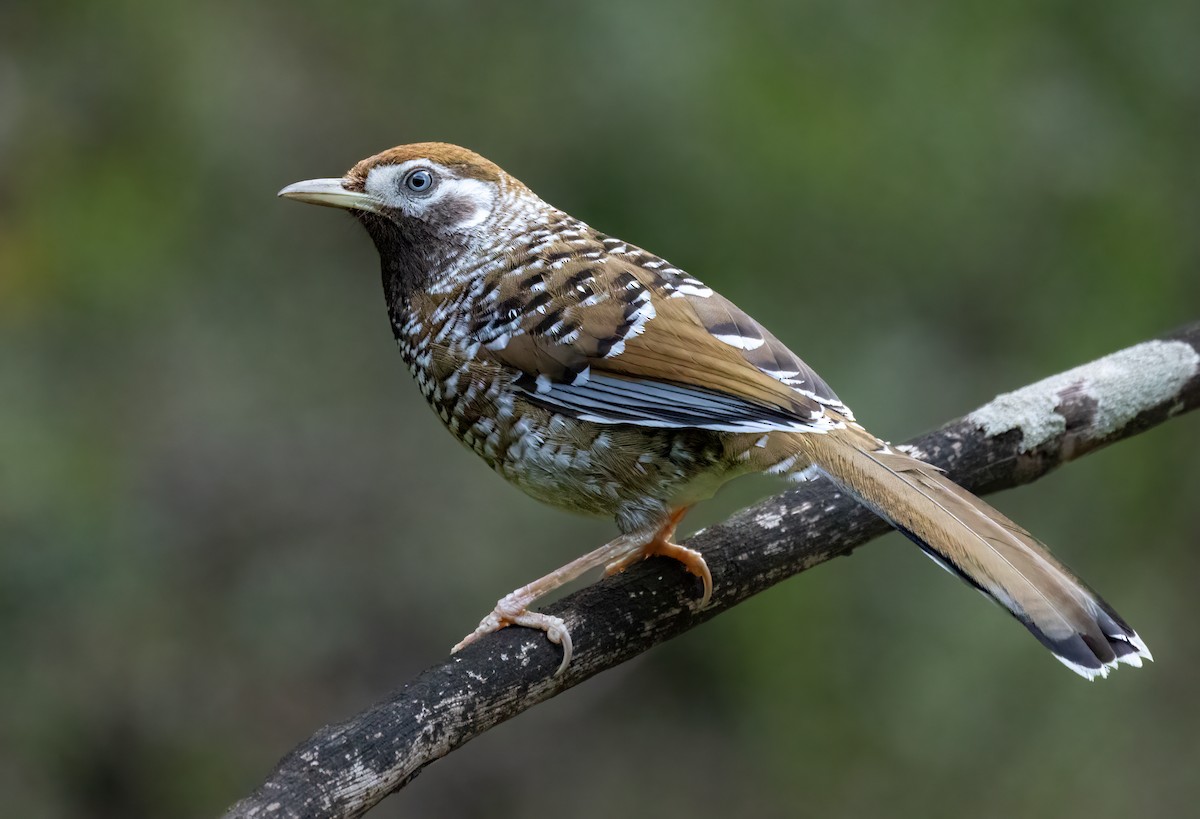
(706, 578)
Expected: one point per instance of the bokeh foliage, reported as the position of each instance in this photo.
(227, 517)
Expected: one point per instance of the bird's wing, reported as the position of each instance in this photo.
(615, 335)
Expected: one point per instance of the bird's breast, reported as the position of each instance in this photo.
(581, 466)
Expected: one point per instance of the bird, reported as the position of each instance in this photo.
(599, 378)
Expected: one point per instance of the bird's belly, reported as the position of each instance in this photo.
(629, 472)
(605, 469)
(593, 469)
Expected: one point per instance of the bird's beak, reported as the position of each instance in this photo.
(332, 194)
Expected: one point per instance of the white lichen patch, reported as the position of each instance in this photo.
(1123, 385)
(775, 548)
(769, 519)
(524, 652)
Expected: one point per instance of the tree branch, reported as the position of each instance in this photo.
(343, 770)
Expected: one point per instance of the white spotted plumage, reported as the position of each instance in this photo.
(600, 378)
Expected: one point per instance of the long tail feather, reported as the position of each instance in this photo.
(969, 538)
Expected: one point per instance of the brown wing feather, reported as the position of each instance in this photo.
(681, 349)
(758, 346)
(584, 309)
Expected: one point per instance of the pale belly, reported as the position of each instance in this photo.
(634, 474)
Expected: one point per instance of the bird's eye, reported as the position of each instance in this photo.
(419, 181)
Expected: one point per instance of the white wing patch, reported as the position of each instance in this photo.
(741, 342)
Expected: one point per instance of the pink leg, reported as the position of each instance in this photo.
(615, 556)
(513, 609)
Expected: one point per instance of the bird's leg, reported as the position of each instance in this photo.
(615, 556)
(513, 608)
(661, 544)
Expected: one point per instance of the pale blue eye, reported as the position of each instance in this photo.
(419, 181)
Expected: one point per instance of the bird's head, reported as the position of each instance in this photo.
(422, 203)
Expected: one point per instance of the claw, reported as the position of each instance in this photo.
(510, 613)
(693, 561)
(661, 544)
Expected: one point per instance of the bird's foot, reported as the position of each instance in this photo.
(661, 544)
(615, 556)
(512, 610)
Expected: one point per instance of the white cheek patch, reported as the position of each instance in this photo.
(468, 201)
(478, 198)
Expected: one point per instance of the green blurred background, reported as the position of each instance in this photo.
(228, 518)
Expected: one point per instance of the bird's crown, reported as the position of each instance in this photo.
(464, 163)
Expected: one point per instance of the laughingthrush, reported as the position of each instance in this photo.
(599, 378)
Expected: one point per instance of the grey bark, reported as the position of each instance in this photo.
(345, 769)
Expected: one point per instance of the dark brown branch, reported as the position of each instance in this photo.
(345, 769)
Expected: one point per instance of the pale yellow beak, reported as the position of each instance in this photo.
(332, 194)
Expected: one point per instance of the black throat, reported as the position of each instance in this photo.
(411, 254)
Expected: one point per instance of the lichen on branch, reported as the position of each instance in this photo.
(343, 770)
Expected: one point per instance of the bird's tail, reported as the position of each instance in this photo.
(976, 542)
